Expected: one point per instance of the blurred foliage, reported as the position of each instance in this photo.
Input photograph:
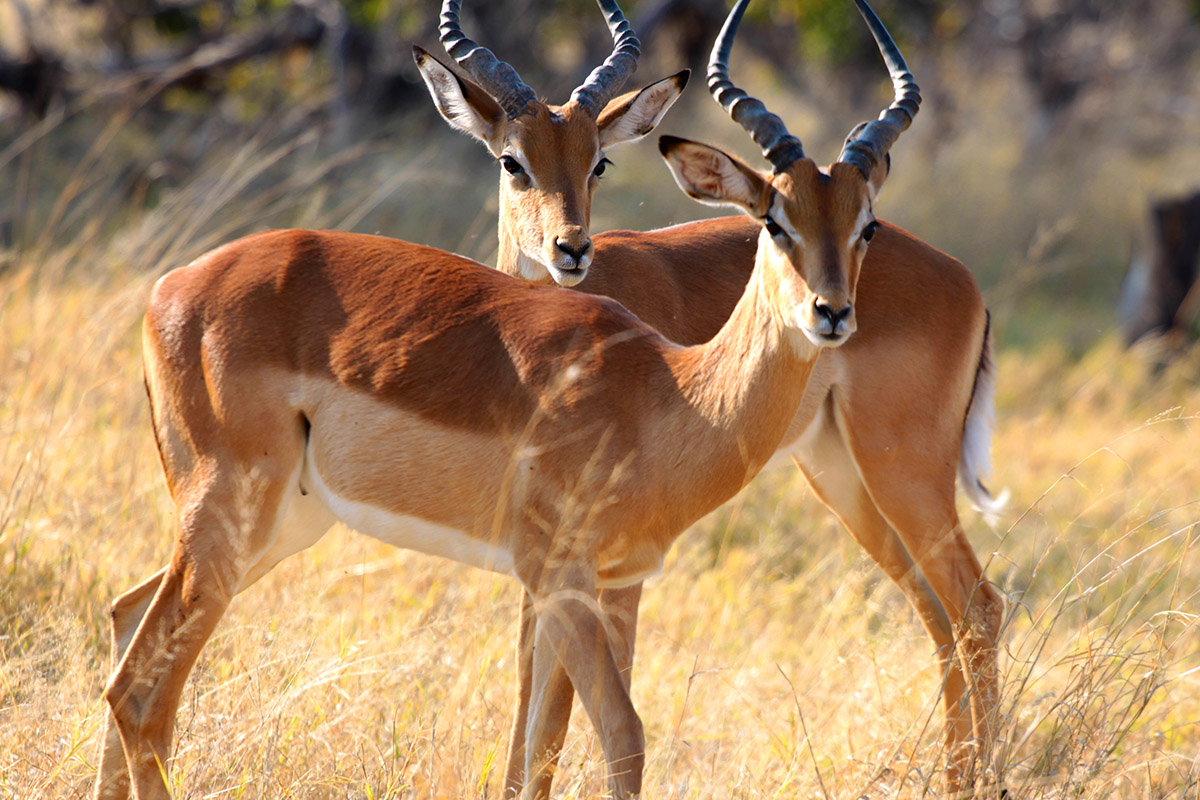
(1039, 115)
(831, 30)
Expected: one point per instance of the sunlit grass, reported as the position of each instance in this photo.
(773, 659)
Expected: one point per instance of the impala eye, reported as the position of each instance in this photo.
(869, 231)
(772, 226)
(600, 167)
(511, 165)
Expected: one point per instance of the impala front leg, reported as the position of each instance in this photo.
(547, 726)
(572, 635)
(620, 607)
(514, 770)
(552, 717)
(112, 781)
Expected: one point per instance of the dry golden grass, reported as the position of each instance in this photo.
(773, 659)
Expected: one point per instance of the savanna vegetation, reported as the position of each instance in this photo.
(774, 660)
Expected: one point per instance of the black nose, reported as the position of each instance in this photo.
(828, 313)
(576, 253)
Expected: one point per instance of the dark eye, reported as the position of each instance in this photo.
(869, 231)
(772, 226)
(599, 170)
(511, 165)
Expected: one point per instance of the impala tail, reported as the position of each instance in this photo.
(975, 465)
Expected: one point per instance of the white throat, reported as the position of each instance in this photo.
(531, 269)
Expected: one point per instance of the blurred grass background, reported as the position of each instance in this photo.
(774, 660)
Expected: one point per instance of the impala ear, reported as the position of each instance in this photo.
(463, 104)
(634, 114)
(711, 176)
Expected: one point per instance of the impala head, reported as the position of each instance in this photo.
(550, 157)
(817, 222)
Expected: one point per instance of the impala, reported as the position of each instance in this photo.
(301, 377)
(886, 421)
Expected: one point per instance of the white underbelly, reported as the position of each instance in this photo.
(410, 533)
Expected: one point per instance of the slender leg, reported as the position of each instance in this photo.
(620, 606)
(548, 723)
(835, 479)
(169, 647)
(976, 609)
(571, 626)
(906, 449)
(926, 520)
(514, 772)
(542, 716)
(145, 689)
(112, 782)
(230, 519)
(549, 715)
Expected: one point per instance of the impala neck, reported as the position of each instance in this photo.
(745, 385)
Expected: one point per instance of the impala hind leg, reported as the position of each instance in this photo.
(112, 781)
(144, 692)
(229, 536)
(545, 726)
(831, 472)
(304, 522)
(916, 501)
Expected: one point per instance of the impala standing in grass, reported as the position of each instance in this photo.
(887, 419)
(301, 377)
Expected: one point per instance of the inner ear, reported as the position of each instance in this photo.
(462, 103)
(634, 114)
(711, 176)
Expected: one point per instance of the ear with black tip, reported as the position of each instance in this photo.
(634, 114)
(463, 104)
(711, 176)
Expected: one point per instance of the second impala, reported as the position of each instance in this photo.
(887, 419)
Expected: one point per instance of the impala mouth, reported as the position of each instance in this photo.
(827, 339)
(829, 333)
(568, 276)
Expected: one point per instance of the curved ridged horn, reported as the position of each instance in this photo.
(495, 77)
(871, 144)
(768, 130)
(608, 78)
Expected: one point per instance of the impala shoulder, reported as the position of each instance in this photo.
(892, 239)
(894, 244)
